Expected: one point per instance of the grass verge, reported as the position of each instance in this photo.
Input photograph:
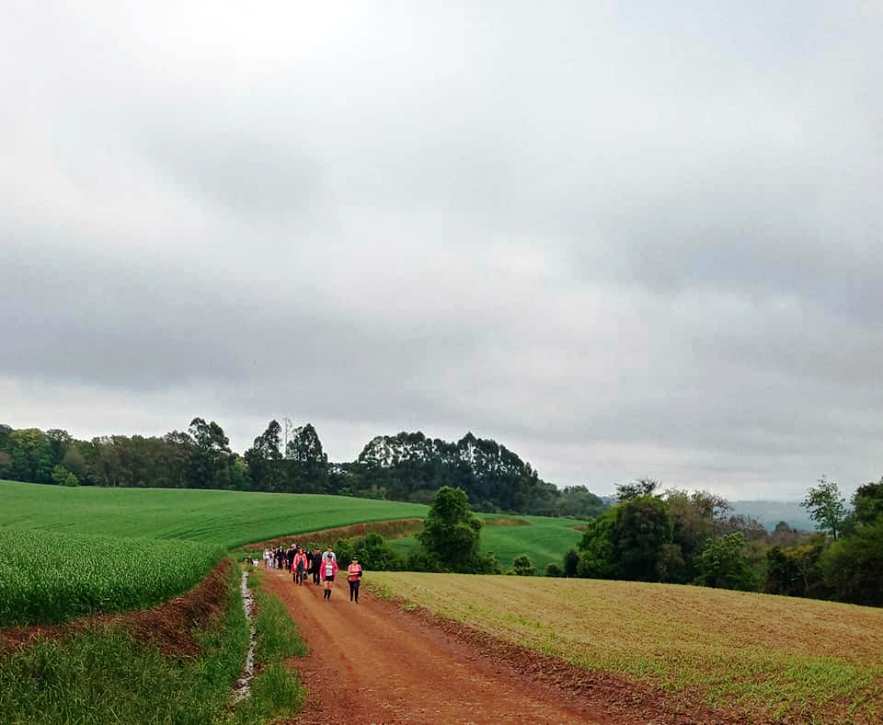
(105, 675)
(276, 689)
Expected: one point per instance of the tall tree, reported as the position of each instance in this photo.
(209, 456)
(451, 531)
(826, 507)
(263, 459)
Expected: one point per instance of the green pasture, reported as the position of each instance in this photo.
(542, 538)
(226, 518)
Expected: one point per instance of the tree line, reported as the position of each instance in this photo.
(694, 538)
(403, 467)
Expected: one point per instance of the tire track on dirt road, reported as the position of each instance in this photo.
(371, 663)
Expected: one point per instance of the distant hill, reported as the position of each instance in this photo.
(769, 513)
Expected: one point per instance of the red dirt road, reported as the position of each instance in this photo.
(387, 667)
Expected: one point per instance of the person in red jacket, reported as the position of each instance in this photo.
(329, 569)
(354, 578)
(299, 566)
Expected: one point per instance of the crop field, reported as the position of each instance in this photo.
(768, 656)
(227, 518)
(542, 538)
(51, 577)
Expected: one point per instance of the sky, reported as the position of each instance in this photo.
(621, 239)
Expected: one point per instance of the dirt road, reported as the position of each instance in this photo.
(371, 663)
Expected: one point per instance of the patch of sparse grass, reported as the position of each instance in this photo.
(767, 655)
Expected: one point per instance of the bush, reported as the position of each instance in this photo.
(523, 566)
(63, 477)
(852, 566)
(724, 563)
(571, 563)
(552, 569)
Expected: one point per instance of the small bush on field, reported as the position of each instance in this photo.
(523, 566)
(552, 569)
(50, 577)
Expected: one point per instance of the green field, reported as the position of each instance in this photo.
(766, 655)
(49, 577)
(227, 518)
(156, 543)
(543, 539)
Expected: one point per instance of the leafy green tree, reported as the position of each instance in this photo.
(523, 566)
(552, 569)
(451, 531)
(62, 477)
(263, 459)
(31, 455)
(59, 475)
(723, 563)
(868, 503)
(695, 516)
(571, 563)
(643, 527)
(826, 507)
(853, 566)
(59, 441)
(636, 489)
(210, 455)
(597, 550)
(374, 554)
(306, 463)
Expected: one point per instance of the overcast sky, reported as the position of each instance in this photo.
(621, 240)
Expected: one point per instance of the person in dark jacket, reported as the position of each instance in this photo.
(317, 565)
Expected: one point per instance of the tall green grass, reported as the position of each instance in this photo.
(51, 577)
(105, 676)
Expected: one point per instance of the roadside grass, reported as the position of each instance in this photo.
(544, 539)
(103, 675)
(276, 689)
(48, 577)
(771, 657)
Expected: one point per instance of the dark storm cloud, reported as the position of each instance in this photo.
(622, 241)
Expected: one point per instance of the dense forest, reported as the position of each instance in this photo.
(407, 466)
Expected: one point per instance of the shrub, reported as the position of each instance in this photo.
(523, 566)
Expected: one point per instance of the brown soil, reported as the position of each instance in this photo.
(505, 521)
(170, 626)
(374, 663)
(394, 529)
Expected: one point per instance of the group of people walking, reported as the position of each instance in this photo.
(320, 566)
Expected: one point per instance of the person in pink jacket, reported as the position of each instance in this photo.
(329, 569)
(354, 577)
(299, 566)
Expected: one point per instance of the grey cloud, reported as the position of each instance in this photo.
(623, 241)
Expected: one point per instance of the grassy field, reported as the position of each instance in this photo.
(543, 539)
(105, 675)
(227, 518)
(768, 655)
(49, 577)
